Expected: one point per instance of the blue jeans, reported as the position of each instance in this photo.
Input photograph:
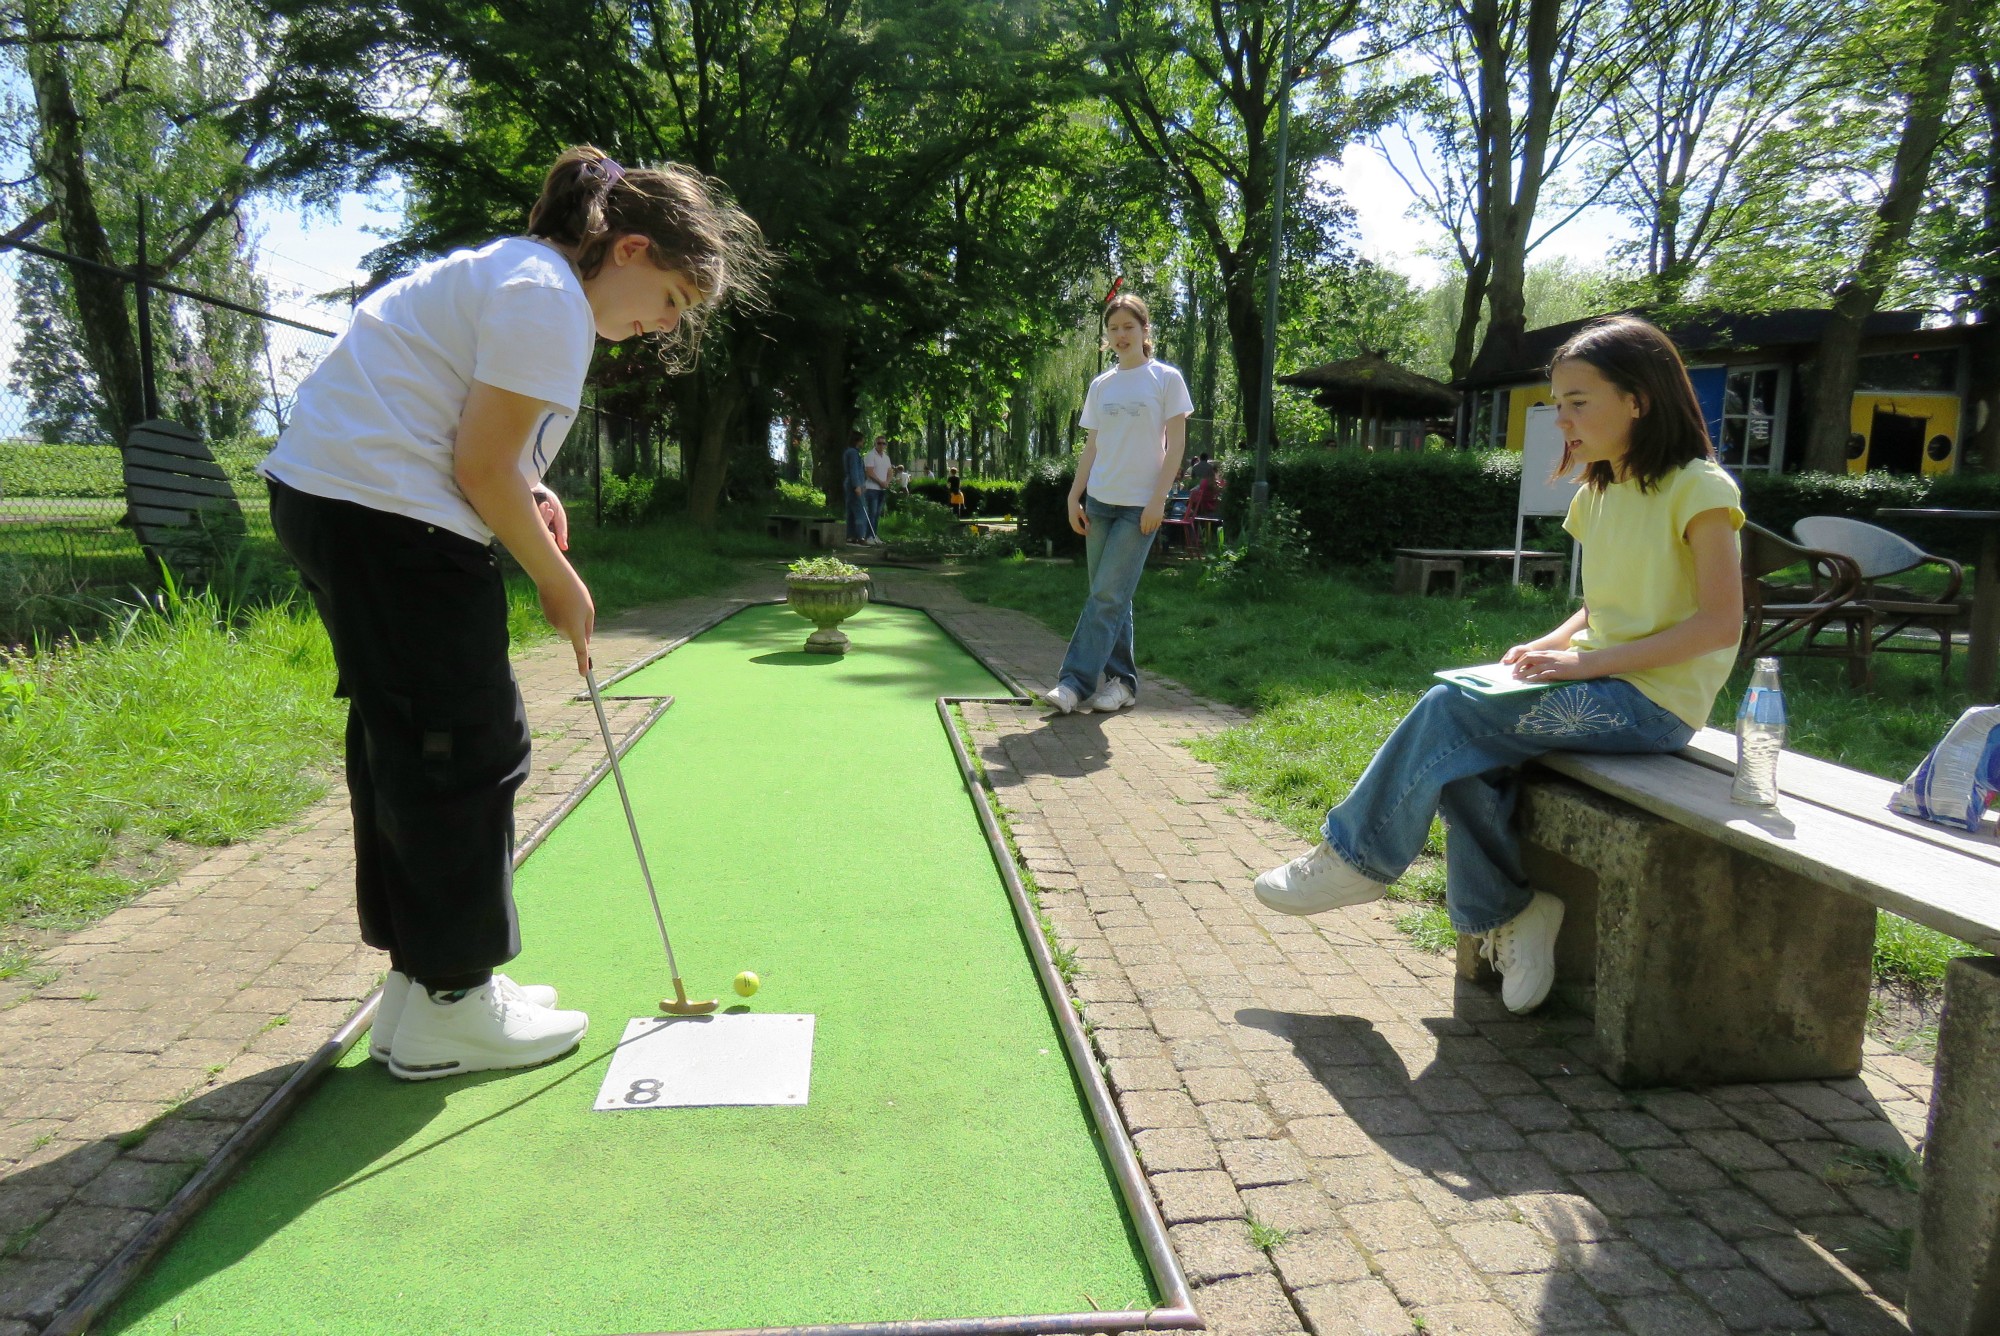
(1101, 645)
(871, 509)
(857, 518)
(1457, 754)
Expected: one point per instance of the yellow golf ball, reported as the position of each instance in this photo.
(746, 984)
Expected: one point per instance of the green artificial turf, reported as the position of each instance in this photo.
(805, 820)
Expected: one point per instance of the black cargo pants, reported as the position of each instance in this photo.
(437, 737)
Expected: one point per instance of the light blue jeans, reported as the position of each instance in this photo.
(1458, 754)
(1101, 645)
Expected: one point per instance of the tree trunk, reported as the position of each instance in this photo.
(110, 345)
(1982, 431)
(1830, 407)
(824, 391)
(721, 406)
(1243, 314)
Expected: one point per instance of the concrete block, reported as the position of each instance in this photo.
(1709, 966)
(1955, 1270)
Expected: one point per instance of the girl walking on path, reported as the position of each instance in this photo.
(1636, 669)
(421, 439)
(1136, 416)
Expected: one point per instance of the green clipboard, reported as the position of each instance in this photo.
(1489, 679)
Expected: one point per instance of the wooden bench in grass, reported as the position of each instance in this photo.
(180, 503)
(1416, 567)
(1718, 943)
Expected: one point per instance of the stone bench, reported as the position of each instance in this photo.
(1417, 567)
(813, 530)
(1717, 943)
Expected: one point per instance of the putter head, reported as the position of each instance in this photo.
(680, 1006)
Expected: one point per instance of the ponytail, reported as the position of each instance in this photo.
(588, 202)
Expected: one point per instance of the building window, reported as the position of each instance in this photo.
(1753, 418)
(1931, 372)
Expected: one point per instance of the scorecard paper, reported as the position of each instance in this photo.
(682, 1062)
(1489, 679)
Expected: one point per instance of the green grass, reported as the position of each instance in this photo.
(1331, 667)
(201, 720)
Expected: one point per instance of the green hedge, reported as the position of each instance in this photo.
(1044, 509)
(1359, 508)
(993, 497)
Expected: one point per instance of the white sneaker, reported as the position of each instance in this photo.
(1112, 697)
(491, 1027)
(1523, 949)
(396, 993)
(1316, 882)
(1065, 700)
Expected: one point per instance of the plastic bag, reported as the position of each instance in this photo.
(1960, 777)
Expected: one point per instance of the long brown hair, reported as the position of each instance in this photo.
(1638, 358)
(588, 201)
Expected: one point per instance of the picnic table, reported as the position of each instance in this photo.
(1983, 647)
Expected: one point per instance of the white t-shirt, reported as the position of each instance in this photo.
(376, 421)
(1129, 410)
(875, 464)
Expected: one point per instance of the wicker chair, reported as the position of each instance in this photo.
(1774, 613)
(1878, 553)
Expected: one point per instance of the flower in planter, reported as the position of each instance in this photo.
(823, 568)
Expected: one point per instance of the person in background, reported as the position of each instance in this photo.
(853, 481)
(954, 494)
(875, 467)
(1136, 415)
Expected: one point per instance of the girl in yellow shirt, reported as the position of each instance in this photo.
(1635, 669)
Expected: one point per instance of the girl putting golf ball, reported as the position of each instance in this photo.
(417, 444)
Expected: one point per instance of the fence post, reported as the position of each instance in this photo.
(149, 393)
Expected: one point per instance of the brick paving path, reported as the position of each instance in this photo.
(1343, 1138)
(1415, 1157)
(181, 1011)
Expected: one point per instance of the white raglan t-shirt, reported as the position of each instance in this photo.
(376, 421)
(1129, 411)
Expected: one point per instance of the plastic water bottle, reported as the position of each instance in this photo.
(1760, 736)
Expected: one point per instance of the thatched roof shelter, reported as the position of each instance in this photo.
(1372, 386)
(1369, 391)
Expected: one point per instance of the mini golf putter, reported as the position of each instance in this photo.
(678, 1005)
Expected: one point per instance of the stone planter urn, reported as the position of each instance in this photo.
(826, 602)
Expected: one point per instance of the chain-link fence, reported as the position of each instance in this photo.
(71, 513)
(227, 371)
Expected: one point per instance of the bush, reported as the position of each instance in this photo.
(1779, 502)
(992, 497)
(915, 517)
(1265, 563)
(1044, 508)
(800, 498)
(1357, 507)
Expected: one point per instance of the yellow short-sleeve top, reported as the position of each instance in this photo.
(1638, 575)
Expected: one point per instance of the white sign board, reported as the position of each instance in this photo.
(1541, 455)
(684, 1062)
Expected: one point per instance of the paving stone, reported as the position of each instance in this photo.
(1235, 1122)
(1577, 1152)
(1798, 1268)
(1480, 1132)
(1162, 1149)
(1746, 1301)
(1254, 1164)
(1534, 1113)
(1625, 1193)
(1669, 1315)
(1736, 1151)
(1857, 1315)
(1216, 1085)
(1778, 1121)
(1819, 1102)
(1789, 1192)
(1488, 1319)
(1328, 1138)
(184, 1141)
(1323, 1257)
(1683, 1110)
(1216, 1250)
(1390, 1117)
(35, 1290)
(1504, 1247)
(1421, 1277)
(1360, 1178)
(1196, 1195)
(1391, 1226)
(1292, 1207)
(135, 1185)
(1681, 1243)
(1629, 1129)
(1246, 1306)
(85, 1234)
(1551, 1302)
(1516, 1172)
(1159, 1108)
(1679, 1169)
(1616, 1268)
(1734, 1214)
(1363, 1308)
(1448, 1094)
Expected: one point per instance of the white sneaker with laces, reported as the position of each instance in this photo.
(1065, 700)
(396, 994)
(491, 1027)
(1112, 697)
(1315, 882)
(1523, 949)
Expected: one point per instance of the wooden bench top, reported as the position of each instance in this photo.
(1832, 825)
